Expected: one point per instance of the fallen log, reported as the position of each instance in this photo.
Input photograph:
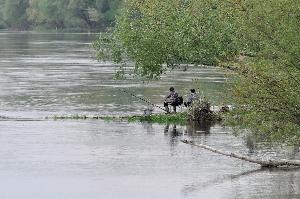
(263, 163)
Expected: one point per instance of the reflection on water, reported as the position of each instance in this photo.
(53, 74)
(194, 128)
(173, 133)
(188, 190)
(191, 130)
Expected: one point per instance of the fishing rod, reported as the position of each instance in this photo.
(147, 101)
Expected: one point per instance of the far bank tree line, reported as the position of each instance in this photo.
(84, 15)
(257, 40)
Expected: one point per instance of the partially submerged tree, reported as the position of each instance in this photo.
(267, 93)
(260, 38)
(158, 35)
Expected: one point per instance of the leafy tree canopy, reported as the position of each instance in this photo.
(257, 39)
(267, 92)
(154, 33)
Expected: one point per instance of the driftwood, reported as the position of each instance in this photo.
(263, 163)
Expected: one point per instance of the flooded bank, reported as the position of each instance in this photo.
(53, 74)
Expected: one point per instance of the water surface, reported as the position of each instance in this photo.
(54, 74)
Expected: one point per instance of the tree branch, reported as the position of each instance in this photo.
(263, 163)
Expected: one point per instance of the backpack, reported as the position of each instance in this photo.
(179, 100)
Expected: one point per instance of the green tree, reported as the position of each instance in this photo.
(3, 23)
(260, 38)
(80, 14)
(52, 13)
(267, 93)
(158, 35)
(107, 9)
(14, 13)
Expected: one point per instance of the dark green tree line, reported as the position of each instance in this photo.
(13, 13)
(2, 22)
(58, 14)
(269, 81)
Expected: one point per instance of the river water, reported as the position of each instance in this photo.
(54, 74)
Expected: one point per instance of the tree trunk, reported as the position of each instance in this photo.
(263, 163)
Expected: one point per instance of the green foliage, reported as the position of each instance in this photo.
(157, 118)
(161, 118)
(2, 21)
(259, 39)
(267, 92)
(58, 14)
(159, 35)
(52, 13)
(267, 101)
(14, 13)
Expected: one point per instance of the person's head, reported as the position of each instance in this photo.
(171, 89)
(193, 90)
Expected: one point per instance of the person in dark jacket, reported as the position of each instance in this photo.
(171, 99)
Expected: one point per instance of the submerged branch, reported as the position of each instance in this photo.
(263, 163)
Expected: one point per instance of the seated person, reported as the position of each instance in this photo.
(191, 98)
(172, 99)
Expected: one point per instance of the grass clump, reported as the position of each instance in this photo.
(160, 118)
